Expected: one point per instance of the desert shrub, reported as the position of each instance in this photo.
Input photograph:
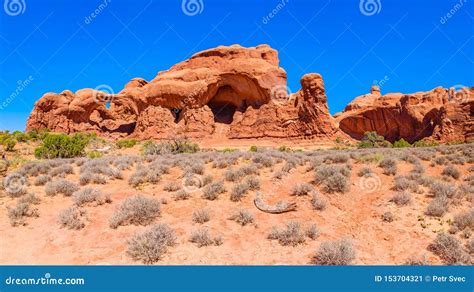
(212, 191)
(389, 166)
(253, 148)
(15, 184)
(249, 169)
(449, 249)
(301, 189)
(335, 253)
(439, 189)
(278, 175)
(201, 216)
(182, 195)
(126, 143)
(470, 246)
(172, 186)
(418, 168)
(401, 199)
(90, 195)
(369, 158)
(312, 232)
(61, 186)
(365, 171)
(464, 220)
(207, 179)
(149, 246)
(18, 213)
(336, 183)
(243, 217)
(425, 143)
(402, 183)
(233, 175)
(202, 238)
(42, 180)
(388, 217)
(62, 170)
(137, 210)
(437, 207)
(291, 235)
(402, 143)
(8, 142)
(323, 172)
(318, 202)
(173, 146)
(253, 182)
(29, 199)
(417, 261)
(72, 218)
(372, 140)
(336, 158)
(451, 171)
(238, 191)
(263, 159)
(62, 146)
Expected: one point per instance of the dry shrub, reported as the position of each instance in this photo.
(61, 186)
(172, 186)
(451, 171)
(389, 166)
(253, 182)
(301, 189)
(312, 232)
(20, 212)
(335, 253)
(182, 195)
(291, 235)
(90, 195)
(212, 191)
(137, 210)
(149, 246)
(437, 207)
(401, 199)
(417, 261)
(464, 220)
(318, 202)
(201, 216)
(72, 218)
(202, 238)
(243, 217)
(449, 249)
(238, 191)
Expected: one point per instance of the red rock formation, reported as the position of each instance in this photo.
(231, 92)
(440, 114)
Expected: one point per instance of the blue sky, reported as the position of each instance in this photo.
(406, 46)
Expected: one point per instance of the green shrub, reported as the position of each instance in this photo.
(424, 143)
(126, 143)
(253, 148)
(401, 144)
(284, 148)
(372, 140)
(94, 154)
(62, 146)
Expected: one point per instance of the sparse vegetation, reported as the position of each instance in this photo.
(137, 210)
(449, 249)
(402, 198)
(335, 253)
(61, 186)
(301, 189)
(291, 235)
(201, 216)
(243, 217)
(72, 218)
(212, 191)
(451, 171)
(202, 238)
(149, 246)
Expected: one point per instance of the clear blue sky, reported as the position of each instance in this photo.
(406, 44)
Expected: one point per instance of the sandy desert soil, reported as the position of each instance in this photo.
(355, 215)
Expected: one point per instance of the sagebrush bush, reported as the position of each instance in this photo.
(172, 186)
(18, 214)
(335, 253)
(336, 158)
(263, 159)
(364, 171)
(72, 218)
(212, 191)
(437, 207)
(173, 146)
(312, 232)
(301, 189)
(449, 249)
(149, 246)
(201, 216)
(137, 210)
(233, 175)
(42, 180)
(402, 183)
(238, 191)
(401, 198)
(62, 170)
(243, 217)
(29, 198)
(90, 195)
(417, 261)
(446, 190)
(451, 171)
(388, 216)
(318, 202)
(292, 234)
(333, 178)
(389, 166)
(253, 182)
(61, 186)
(182, 195)
(202, 238)
(336, 183)
(464, 220)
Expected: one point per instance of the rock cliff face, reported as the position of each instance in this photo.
(240, 93)
(440, 114)
(229, 92)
